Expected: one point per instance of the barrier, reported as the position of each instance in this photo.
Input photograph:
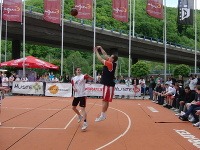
(65, 89)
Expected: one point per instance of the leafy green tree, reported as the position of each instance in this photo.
(182, 69)
(140, 69)
(76, 60)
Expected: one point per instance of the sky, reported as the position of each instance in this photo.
(174, 3)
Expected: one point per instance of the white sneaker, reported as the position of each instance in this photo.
(101, 118)
(79, 118)
(85, 125)
(196, 124)
(176, 110)
(182, 113)
(177, 114)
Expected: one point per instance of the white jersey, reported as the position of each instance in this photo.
(78, 83)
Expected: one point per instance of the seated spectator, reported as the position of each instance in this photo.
(188, 97)
(179, 96)
(198, 123)
(169, 95)
(158, 91)
(195, 105)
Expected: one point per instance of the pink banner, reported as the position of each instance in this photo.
(120, 10)
(84, 8)
(155, 8)
(52, 11)
(12, 10)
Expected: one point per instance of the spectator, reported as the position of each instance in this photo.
(31, 77)
(152, 85)
(189, 96)
(195, 105)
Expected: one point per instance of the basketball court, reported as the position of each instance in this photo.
(48, 123)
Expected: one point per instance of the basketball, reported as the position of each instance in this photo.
(74, 12)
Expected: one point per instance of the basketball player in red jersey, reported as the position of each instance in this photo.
(107, 79)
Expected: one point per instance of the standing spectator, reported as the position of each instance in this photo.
(108, 77)
(66, 79)
(10, 81)
(180, 81)
(31, 77)
(152, 85)
(51, 77)
(143, 85)
(98, 80)
(192, 82)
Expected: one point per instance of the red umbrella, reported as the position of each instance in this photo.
(30, 62)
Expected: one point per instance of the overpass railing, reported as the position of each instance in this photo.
(82, 22)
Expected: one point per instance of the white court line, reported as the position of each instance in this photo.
(152, 109)
(121, 135)
(35, 108)
(31, 128)
(70, 122)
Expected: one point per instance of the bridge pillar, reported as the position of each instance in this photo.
(134, 59)
(16, 46)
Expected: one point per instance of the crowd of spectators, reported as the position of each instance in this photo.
(183, 97)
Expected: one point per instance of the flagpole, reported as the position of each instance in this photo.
(94, 44)
(6, 37)
(61, 68)
(133, 18)
(195, 66)
(1, 28)
(24, 39)
(165, 41)
(129, 64)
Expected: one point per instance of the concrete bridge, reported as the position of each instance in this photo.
(78, 36)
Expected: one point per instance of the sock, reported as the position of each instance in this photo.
(103, 114)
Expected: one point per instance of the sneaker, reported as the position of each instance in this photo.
(182, 113)
(101, 118)
(79, 118)
(85, 125)
(176, 110)
(183, 118)
(196, 124)
(177, 114)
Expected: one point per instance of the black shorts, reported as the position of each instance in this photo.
(80, 100)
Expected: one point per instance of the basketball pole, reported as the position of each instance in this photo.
(129, 62)
(62, 40)
(1, 29)
(24, 22)
(94, 44)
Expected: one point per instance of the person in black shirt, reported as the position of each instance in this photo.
(108, 79)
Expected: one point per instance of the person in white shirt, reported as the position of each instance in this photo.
(170, 94)
(78, 84)
(5, 81)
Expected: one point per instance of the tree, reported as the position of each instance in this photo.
(182, 70)
(140, 69)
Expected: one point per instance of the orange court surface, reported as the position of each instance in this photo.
(49, 123)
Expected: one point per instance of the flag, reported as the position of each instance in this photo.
(120, 10)
(84, 8)
(154, 8)
(12, 10)
(185, 12)
(52, 11)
